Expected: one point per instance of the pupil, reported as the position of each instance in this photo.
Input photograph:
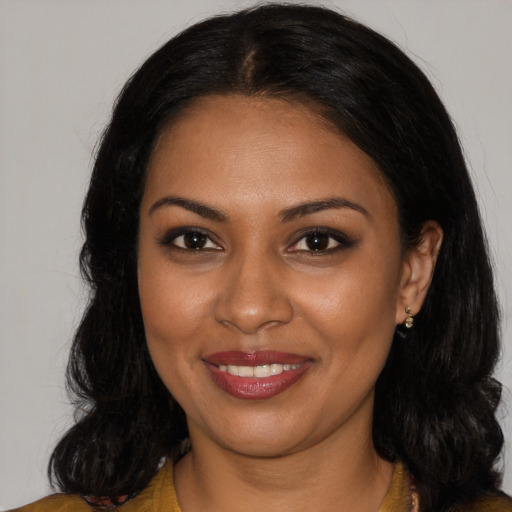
(194, 240)
(317, 242)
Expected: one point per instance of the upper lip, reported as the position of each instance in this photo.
(256, 358)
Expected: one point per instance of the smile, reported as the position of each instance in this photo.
(256, 375)
(260, 372)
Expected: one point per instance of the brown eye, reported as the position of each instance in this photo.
(189, 239)
(321, 241)
(194, 240)
(317, 241)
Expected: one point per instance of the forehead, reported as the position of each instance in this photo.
(256, 149)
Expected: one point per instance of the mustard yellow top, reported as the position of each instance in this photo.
(160, 496)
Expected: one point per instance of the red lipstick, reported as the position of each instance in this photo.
(256, 375)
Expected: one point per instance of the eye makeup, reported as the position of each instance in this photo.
(320, 240)
(188, 239)
(312, 241)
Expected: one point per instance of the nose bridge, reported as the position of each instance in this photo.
(252, 297)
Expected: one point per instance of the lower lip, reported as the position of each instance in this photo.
(253, 388)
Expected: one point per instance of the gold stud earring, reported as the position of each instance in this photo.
(409, 321)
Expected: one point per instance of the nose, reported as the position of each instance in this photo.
(253, 297)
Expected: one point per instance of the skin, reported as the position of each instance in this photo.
(256, 285)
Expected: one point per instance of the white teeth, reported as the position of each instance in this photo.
(245, 371)
(232, 369)
(276, 369)
(260, 372)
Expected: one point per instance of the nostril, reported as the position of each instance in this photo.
(250, 312)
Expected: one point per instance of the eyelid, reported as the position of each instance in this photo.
(170, 236)
(343, 240)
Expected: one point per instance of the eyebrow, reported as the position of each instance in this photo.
(189, 204)
(286, 215)
(308, 208)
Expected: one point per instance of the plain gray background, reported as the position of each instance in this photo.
(62, 62)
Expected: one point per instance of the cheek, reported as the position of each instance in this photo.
(360, 293)
(354, 307)
(173, 309)
(172, 315)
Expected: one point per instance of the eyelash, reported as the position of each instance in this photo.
(341, 240)
(170, 238)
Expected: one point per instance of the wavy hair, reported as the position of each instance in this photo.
(435, 400)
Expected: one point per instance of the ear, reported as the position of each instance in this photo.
(418, 269)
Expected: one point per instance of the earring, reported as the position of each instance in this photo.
(409, 321)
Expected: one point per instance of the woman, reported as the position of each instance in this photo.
(292, 306)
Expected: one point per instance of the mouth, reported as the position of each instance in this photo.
(256, 375)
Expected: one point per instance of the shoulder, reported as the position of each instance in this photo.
(57, 503)
(490, 504)
(158, 495)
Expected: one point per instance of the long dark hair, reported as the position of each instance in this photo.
(436, 399)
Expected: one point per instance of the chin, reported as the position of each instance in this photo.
(260, 435)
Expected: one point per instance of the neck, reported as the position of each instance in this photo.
(342, 473)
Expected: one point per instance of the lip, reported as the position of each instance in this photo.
(254, 388)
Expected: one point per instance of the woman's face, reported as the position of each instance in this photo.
(270, 274)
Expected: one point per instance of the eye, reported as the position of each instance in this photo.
(189, 239)
(321, 240)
